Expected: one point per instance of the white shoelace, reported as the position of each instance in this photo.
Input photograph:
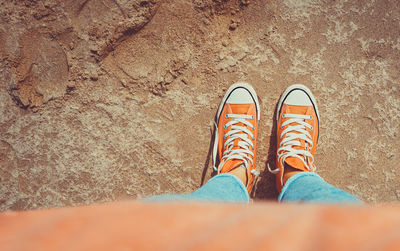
(237, 132)
(295, 133)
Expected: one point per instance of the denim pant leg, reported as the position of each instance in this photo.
(223, 187)
(310, 187)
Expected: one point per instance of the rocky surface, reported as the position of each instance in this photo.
(111, 100)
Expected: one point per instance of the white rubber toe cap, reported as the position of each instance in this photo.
(240, 96)
(298, 98)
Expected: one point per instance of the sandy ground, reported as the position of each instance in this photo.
(113, 100)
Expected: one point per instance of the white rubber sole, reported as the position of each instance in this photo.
(296, 87)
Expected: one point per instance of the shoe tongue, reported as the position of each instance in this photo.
(239, 109)
(231, 164)
(296, 162)
(234, 163)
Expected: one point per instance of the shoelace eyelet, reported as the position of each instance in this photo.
(226, 116)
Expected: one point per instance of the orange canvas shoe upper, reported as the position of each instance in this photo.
(297, 131)
(236, 122)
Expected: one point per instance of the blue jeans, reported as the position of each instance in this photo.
(305, 186)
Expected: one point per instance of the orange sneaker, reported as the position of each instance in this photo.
(236, 126)
(297, 132)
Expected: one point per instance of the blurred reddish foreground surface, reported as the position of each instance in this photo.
(187, 226)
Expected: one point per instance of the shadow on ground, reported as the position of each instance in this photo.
(265, 187)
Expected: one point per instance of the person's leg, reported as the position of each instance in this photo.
(310, 187)
(235, 147)
(223, 187)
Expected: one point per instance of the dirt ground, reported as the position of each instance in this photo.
(114, 99)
